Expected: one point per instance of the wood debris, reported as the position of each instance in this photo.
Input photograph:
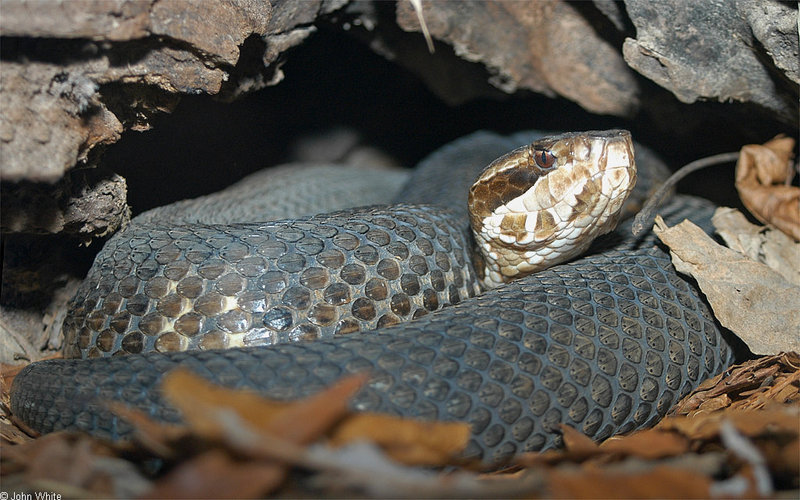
(736, 436)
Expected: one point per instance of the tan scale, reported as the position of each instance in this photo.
(544, 203)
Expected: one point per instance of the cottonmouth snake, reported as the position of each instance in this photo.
(606, 343)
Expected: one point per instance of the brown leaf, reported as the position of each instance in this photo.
(749, 298)
(657, 482)
(214, 474)
(63, 458)
(307, 419)
(648, 444)
(789, 461)
(154, 436)
(762, 244)
(408, 441)
(297, 422)
(763, 174)
(577, 448)
(576, 442)
(780, 419)
(265, 431)
(197, 398)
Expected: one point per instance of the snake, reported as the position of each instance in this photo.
(481, 301)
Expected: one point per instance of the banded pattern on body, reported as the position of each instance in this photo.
(605, 344)
(173, 288)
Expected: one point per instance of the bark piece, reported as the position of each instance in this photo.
(707, 50)
(86, 203)
(115, 20)
(50, 118)
(547, 47)
(752, 385)
(68, 68)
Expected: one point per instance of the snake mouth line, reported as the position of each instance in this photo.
(566, 204)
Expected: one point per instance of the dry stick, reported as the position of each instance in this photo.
(644, 219)
(417, 5)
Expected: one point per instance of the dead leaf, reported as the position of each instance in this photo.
(576, 442)
(405, 440)
(68, 460)
(748, 298)
(741, 485)
(648, 444)
(760, 243)
(195, 396)
(778, 420)
(241, 454)
(214, 474)
(658, 482)
(578, 447)
(763, 173)
(309, 418)
(243, 423)
(364, 467)
(788, 460)
(155, 436)
(299, 422)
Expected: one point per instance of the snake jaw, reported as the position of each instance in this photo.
(526, 218)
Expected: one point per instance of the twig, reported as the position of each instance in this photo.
(644, 219)
(417, 5)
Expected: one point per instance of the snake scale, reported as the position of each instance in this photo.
(606, 343)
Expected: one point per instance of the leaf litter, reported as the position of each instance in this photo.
(736, 436)
(763, 176)
(236, 444)
(753, 285)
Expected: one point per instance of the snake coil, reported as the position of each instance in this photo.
(605, 344)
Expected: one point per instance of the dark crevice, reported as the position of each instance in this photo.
(604, 27)
(331, 81)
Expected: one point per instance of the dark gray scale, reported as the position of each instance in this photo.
(576, 344)
(605, 344)
(212, 287)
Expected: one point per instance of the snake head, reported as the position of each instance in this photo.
(544, 203)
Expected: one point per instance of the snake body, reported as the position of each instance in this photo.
(605, 344)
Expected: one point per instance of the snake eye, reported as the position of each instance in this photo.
(544, 159)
